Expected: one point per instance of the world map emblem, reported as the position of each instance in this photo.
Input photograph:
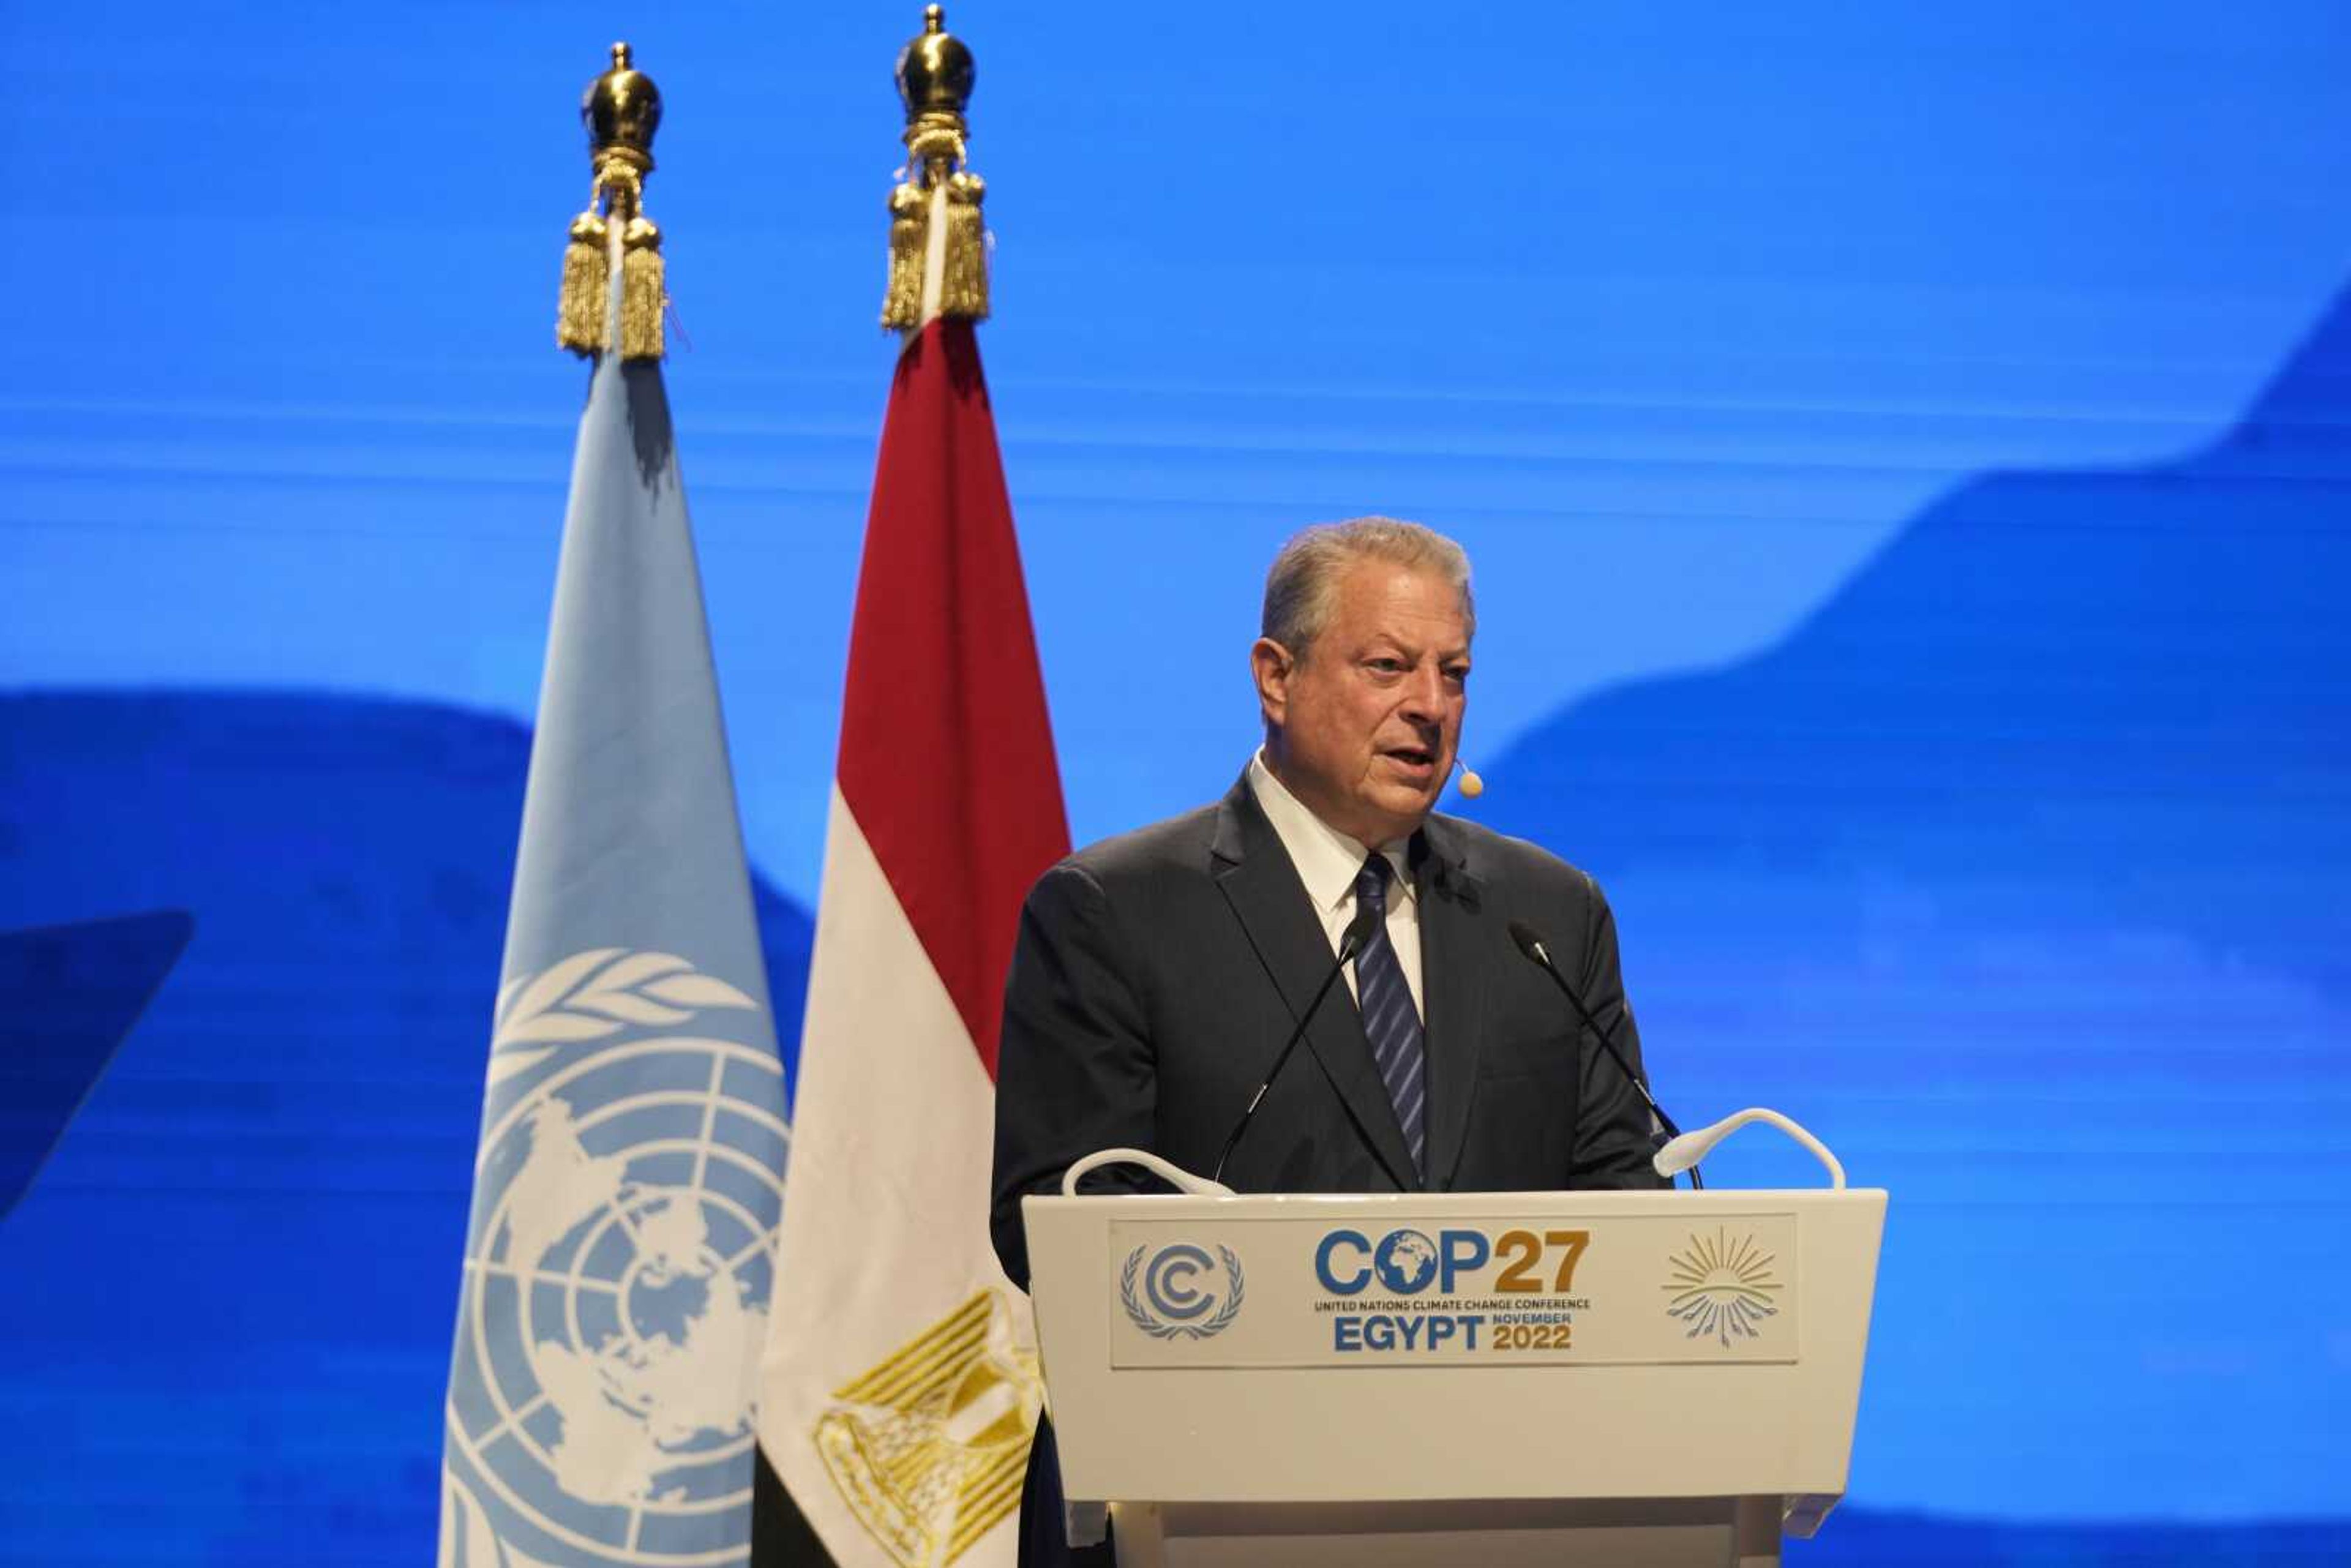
(1405, 1261)
(619, 1272)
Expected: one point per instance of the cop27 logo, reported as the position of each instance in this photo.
(1176, 1296)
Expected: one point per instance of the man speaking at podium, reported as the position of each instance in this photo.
(1159, 974)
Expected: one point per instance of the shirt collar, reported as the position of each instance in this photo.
(1328, 860)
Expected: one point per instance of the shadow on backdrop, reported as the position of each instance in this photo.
(2016, 873)
(231, 1296)
(68, 996)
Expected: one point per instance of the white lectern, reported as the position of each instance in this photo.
(1495, 1378)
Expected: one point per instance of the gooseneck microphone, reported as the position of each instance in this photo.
(1358, 932)
(1530, 943)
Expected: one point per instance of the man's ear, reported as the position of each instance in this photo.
(1271, 666)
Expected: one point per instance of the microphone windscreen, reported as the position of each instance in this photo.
(1472, 786)
(1530, 942)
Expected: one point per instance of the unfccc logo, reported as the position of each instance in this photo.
(1183, 1293)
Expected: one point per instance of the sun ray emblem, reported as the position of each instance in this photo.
(1721, 1288)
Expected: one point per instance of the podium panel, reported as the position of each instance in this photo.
(1668, 1532)
(1488, 1348)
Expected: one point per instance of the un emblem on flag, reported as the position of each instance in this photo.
(618, 1272)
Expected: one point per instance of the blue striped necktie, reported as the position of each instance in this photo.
(1391, 1021)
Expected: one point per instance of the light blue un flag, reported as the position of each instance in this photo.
(621, 1255)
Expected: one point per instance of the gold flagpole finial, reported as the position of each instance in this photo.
(934, 78)
(621, 110)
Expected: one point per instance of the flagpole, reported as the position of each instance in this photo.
(613, 241)
(939, 240)
(620, 1256)
(900, 1390)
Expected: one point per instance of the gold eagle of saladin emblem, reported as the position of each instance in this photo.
(928, 1449)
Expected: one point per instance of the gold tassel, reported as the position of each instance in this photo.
(643, 296)
(587, 281)
(963, 291)
(902, 301)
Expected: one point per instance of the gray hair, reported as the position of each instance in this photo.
(1304, 578)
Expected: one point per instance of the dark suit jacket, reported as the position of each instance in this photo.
(1158, 973)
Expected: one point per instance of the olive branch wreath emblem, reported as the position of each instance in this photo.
(1137, 1314)
(594, 995)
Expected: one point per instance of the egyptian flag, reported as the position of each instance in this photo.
(900, 1387)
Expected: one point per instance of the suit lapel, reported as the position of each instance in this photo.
(1263, 887)
(1456, 954)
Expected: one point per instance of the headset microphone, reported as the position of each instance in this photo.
(1472, 786)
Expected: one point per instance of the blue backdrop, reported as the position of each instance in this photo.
(1907, 454)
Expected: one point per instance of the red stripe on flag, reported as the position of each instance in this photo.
(947, 755)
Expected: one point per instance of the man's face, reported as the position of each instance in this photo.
(1363, 726)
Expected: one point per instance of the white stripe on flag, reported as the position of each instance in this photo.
(885, 1230)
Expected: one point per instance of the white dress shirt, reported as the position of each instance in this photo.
(1328, 861)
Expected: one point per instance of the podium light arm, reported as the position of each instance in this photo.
(1172, 1174)
(1682, 1153)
